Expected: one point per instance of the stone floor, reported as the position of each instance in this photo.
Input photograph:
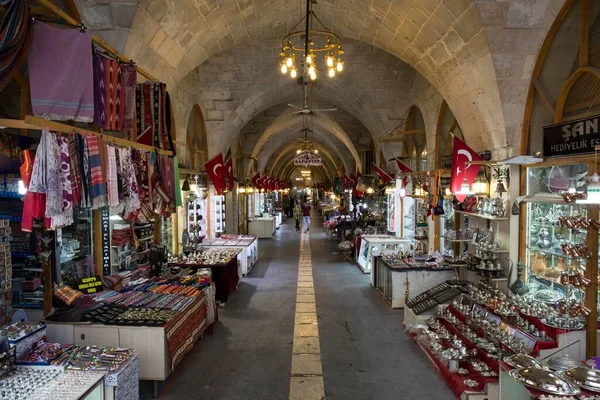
(364, 352)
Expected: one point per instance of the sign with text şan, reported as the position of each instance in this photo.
(573, 137)
(307, 159)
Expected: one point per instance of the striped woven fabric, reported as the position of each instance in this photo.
(98, 188)
(15, 36)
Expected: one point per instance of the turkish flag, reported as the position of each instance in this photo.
(355, 179)
(462, 171)
(256, 181)
(229, 171)
(216, 172)
(405, 170)
(382, 174)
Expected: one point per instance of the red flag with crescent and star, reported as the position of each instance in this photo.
(229, 171)
(346, 182)
(256, 181)
(462, 171)
(216, 172)
(357, 193)
(382, 174)
(405, 170)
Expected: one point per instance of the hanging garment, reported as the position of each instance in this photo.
(151, 113)
(86, 179)
(34, 205)
(132, 202)
(129, 74)
(65, 217)
(167, 137)
(109, 96)
(111, 180)
(75, 171)
(96, 177)
(16, 32)
(61, 73)
(26, 167)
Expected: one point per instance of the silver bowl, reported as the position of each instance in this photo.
(522, 361)
(562, 363)
(584, 377)
(545, 381)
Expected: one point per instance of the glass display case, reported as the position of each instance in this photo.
(75, 249)
(554, 245)
(408, 218)
(447, 224)
(219, 210)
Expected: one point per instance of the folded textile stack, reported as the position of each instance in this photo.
(121, 235)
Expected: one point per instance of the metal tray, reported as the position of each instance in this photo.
(544, 381)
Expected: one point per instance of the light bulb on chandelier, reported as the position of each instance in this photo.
(284, 68)
(293, 73)
(330, 60)
(313, 77)
(289, 61)
(331, 72)
(309, 59)
(340, 66)
(312, 70)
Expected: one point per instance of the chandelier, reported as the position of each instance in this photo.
(308, 42)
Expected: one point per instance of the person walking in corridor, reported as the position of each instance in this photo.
(297, 216)
(306, 213)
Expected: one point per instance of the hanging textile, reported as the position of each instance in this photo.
(61, 73)
(129, 73)
(111, 180)
(26, 167)
(168, 139)
(16, 31)
(132, 202)
(86, 181)
(109, 96)
(151, 115)
(95, 167)
(34, 205)
(75, 170)
(54, 201)
(65, 217)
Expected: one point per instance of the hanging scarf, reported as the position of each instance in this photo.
(132, 204)
(26, 167)
(15, 36)
(129, 73)
(97, 179)
(111, 180)
(75, 170)
(54, 200)
(65, 217)
(119, 175)
(38, 181)
(86, 181)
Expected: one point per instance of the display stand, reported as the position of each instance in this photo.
(124, 384)
(396, 284)
(248, 255)
(370, 243)
(263, 227)
(225, 276)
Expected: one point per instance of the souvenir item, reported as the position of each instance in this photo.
(585, 378)
(544, 381)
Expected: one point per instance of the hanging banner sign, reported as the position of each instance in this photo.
(93, 284)
(104, 218)
(308, 159)
(572, 137)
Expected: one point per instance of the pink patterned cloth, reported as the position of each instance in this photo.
(66, 216)
(111, 179)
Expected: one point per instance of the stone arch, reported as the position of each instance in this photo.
(287, 122)
(196, 142)
(447, 127)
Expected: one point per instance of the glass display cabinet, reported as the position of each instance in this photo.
(555, 243)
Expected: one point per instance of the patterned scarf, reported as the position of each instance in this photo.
(96, 178)
(84, 162)
(65, 218)
(111, 180)
(132, 202)
(129, 73)
(75, 170)
(54, 200)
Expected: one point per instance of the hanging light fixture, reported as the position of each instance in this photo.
(308, 42)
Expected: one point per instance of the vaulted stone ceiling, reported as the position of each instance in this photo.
(222, 54)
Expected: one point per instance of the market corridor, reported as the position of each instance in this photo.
(364, 352)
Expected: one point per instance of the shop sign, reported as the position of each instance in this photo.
(93, 284)
(572, 137)
(104, 221)
(308, 159)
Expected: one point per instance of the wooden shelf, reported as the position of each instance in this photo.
(458, 240)
(482, 216)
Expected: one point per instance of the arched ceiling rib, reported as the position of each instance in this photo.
(442, 39)
(287, 122)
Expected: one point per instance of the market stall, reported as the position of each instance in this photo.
(262, 227)
(374, 244)
(248, 244)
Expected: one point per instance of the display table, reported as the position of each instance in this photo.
(248, 255)
(263, 227)
(396, 285)
(378, 243)
(159, 349)
(225, 276)
(278, 219)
